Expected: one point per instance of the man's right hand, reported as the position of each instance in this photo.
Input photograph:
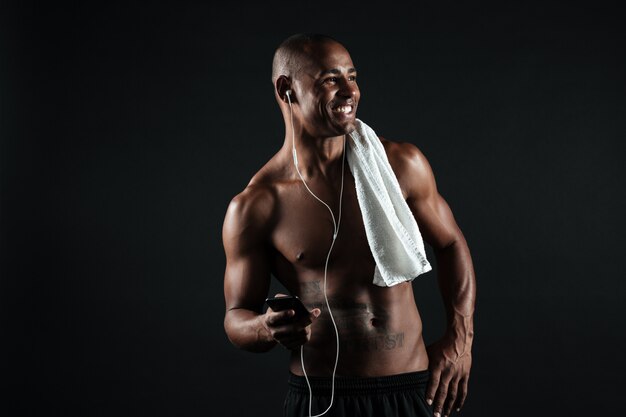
(287, 329)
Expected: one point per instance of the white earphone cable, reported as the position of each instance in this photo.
(336, 225)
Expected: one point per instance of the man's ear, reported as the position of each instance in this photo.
(283, 84)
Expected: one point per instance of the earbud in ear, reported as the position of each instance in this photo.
(288, 92)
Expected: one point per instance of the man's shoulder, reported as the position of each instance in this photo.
(257, 200)
(254, 205)
(406, 159)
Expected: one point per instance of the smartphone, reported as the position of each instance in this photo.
(287, 302)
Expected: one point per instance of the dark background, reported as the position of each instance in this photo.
(127, 129)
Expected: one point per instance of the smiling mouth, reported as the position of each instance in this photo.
(343, 109)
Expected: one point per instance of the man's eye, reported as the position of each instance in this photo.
(352, 78)
(331, 80)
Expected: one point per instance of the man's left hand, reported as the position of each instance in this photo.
(450, 363)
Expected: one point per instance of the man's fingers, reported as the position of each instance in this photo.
(315, 313)
(449, 402)
(442, 392)
(289, 330)
(440, 396)
(433, 384)
(292, 340)
(462, 394)
(276, 318)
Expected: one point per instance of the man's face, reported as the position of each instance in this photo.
(328, 94)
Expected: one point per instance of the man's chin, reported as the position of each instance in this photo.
(346, 127)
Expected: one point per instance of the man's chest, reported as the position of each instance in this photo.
(304, 229)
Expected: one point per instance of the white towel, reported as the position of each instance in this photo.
(392, 232)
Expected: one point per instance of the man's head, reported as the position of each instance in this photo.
(321, 76)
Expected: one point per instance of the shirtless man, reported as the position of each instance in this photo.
(275, 226)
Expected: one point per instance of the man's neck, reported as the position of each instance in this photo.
(316, 155)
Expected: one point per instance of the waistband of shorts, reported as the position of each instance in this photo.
(360, 385)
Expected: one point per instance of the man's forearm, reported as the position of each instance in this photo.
(246, 331)
(458, 289)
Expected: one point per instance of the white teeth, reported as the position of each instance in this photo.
(344, 109)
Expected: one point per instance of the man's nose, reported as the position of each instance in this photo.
(347, 89)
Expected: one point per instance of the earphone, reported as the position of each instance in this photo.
(336, 225)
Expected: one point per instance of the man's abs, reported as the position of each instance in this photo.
(380, 333)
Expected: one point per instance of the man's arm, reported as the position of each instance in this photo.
(247, 275)
(450, 357)
(246, 232)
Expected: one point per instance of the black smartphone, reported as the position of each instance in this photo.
(287, 302)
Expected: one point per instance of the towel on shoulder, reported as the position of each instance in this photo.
(392, 232)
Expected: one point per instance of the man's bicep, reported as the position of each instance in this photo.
(436, 221)
(246, 282)
(432, 212)
(247, 274)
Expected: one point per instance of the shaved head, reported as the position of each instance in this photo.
(294, 52)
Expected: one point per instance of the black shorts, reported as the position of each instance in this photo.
(402, 395)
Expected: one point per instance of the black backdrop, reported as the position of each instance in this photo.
(127, 129)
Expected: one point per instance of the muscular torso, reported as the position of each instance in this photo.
(380, 331)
